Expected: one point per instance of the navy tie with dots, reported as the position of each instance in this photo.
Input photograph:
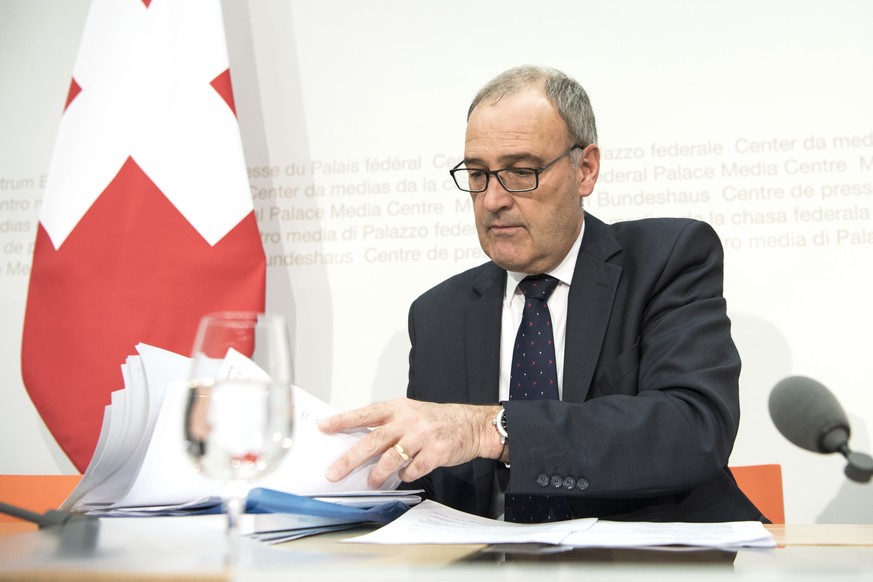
(534, 377)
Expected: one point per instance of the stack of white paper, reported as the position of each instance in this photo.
(140, 460)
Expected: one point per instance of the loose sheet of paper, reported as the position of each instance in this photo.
(617, 534)
(433, 523)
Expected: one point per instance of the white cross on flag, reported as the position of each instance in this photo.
(147, 220)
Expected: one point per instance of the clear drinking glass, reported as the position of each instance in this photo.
(239, 415)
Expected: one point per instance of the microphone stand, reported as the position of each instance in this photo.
(860, 466)
(44, 520)
(78, 533)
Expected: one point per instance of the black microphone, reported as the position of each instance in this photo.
(808, 415)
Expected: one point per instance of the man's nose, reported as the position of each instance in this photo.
(495, 196)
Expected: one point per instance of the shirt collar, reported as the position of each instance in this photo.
(563, 272)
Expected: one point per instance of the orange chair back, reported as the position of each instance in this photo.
(762, 484)
(38, 493)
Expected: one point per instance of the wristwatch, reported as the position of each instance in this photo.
(499, 423)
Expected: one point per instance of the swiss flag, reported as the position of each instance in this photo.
(147, 220)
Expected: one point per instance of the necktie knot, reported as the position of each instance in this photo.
(538, 286)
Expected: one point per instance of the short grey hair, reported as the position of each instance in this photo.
(564, 92)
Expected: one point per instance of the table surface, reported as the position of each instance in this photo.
(155, 548)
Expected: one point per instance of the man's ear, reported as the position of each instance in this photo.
(589, 169)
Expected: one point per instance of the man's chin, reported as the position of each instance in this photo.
(508, 261)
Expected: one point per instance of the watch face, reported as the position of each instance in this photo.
(500, 424)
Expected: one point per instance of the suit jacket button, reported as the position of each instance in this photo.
(542, 479)
(569, 482)
(557, 480)
(581, 484)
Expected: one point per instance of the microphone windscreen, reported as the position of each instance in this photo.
(804, 411)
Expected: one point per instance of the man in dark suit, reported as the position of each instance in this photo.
(646, 408)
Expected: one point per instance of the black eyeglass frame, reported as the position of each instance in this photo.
(496, 173)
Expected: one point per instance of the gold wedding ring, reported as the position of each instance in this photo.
(401, 452)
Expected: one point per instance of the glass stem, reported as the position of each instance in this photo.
(234, 507)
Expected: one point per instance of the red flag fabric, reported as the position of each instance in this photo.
(147, 221)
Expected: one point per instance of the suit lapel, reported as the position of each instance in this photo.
(482, 336)
(590, 303)
(482, 359)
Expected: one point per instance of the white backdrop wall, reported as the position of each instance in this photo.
(754, 116)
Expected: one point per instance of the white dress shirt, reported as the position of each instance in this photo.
(513, 305)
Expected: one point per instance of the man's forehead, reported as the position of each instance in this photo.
(504, 156)
(526, 103)
(507, 139)
(521, 117)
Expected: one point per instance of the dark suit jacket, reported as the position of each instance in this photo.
(650, 404)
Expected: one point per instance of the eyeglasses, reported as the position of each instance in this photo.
(512, 179)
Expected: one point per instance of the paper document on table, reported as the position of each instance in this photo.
(621, 534)
(433, 523)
